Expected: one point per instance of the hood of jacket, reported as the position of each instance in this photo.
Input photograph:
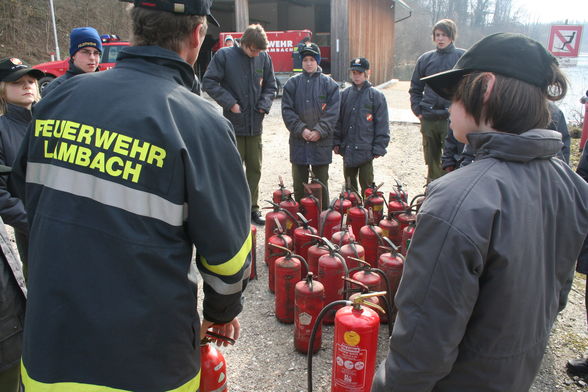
(533, 144)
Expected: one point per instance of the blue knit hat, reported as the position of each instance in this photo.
(82, 37)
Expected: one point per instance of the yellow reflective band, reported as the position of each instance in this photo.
(36, 386)
(234, 265)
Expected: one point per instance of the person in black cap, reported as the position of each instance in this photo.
(19, 90)
(241, 80)
(85, 49)
(492, 258)
(310, 109)
(429, 107)
(362, 132)
(120, 185)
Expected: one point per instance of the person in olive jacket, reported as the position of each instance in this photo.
(241, 79)
(362, 132)
(310, 110)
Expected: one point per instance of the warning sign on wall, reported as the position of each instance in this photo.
(564, 40)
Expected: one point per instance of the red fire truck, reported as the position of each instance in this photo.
(280, 48)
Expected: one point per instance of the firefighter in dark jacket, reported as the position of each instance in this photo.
(310, 110)
(121, 184)
(241, 80)
(13, 294)
(362, 132)
(492, 258)
(19, 90)
(427, 105)
(85, 49)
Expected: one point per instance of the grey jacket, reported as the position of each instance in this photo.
(311, 101)
(487, 271)
(233, 77)
(362, 131)
(423, 100)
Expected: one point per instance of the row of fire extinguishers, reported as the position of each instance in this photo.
(348, 257)
(315, 259)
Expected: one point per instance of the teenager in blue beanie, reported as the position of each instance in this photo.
(85, 49)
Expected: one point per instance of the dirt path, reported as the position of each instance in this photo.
(264, 359)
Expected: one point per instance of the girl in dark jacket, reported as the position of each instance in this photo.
(18, 91)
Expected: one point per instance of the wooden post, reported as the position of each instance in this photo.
(339, 39)
(241, 15)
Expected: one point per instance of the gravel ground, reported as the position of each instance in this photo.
(264, 358)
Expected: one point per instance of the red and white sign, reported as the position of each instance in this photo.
(564, 40)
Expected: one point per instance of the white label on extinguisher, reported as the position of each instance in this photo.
(304, 318)
(350, 367)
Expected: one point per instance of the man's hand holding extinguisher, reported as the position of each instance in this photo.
(230, 330)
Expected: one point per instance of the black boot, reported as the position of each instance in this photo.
(578, 367)
(256, 218)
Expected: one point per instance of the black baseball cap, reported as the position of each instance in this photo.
(310, 49)
(12, 69)
(359, 64)
(185, 7)
(509, 54)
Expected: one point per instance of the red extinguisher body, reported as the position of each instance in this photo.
(308, 302)
(272, 254)
(392, 265)
(369, 238)
(376, 203)
(213, 369)
(314, 254)
(293, 208)
(270, 223)
(302, 243)
(391, 229)
(330, 271)
(357, 218)
(352, 249)
(407, 234)
(310, 208)
(343, 237)
(372, 280)
(328, 219)
(354, 349)
(342, 205)
(287, 274)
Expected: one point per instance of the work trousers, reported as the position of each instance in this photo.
(250, 149)
(10, 379)
(434, 133)
(366, 176)
(300, 174)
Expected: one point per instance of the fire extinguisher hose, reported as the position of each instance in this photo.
(318, 322)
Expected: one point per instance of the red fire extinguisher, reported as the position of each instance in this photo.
(355, 344)
(253, 274)
(329, 218)
(213, 367)
(310, 207)
(301, 241)
(281, 193)
(398, 193)
(407, 234)
(374, 199)
(357, 217)
(342, 204)
(316, 250)
(342, 233)
(331, 267)
(370, 237)
(391, 228)
(316, 187)
(288, 271)
(392, 263)
(271, 254)
(292, 207)
(283, 216)
(350, 194)
(352, 250)
(309, 299)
